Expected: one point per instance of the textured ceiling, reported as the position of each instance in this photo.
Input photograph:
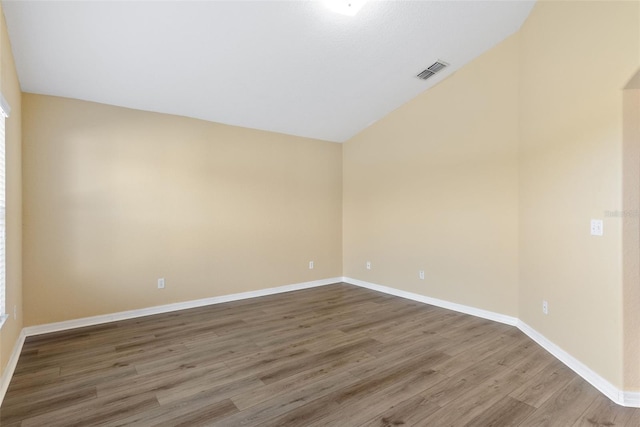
(293, 67)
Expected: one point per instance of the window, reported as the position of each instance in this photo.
(4, 113)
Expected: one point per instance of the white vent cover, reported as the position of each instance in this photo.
(432, 70)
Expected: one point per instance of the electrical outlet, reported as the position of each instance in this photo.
(310, 265)
(421, 274)
(597, 227)
(161, 283)
(545, 307)
(368, 265)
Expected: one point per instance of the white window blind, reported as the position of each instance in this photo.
(4, 113)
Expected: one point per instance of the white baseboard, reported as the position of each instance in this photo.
(11, 365)
(604, 386)
(630, 399)
(485, 314)
(131, 314)
(123, 315)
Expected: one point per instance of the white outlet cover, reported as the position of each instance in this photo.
(421, 274)
(161, 283)
(597, 227)
(310, 265)
(545, 307)
(368, 265)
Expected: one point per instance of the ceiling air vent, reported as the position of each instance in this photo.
(432, 70)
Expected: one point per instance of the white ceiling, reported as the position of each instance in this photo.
(293, 67)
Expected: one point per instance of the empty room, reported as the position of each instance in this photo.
(320, 213)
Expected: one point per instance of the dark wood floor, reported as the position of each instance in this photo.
(336, 355)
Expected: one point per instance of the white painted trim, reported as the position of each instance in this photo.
(123, 315)
(11, 366)
(605, 387)
(131, 314)
(630, 399)
(485, 314)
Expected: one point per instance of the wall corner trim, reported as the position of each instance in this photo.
(620, 397)
(11, 365)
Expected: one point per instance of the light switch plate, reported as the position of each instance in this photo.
(597, 227)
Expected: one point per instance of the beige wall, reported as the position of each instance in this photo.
(489, 180)
(434, 186)
(10, 88)
(116, 198)
(571, 114)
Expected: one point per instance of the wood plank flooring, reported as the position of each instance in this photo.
(336, 355)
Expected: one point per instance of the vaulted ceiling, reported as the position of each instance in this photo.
(294, 67)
